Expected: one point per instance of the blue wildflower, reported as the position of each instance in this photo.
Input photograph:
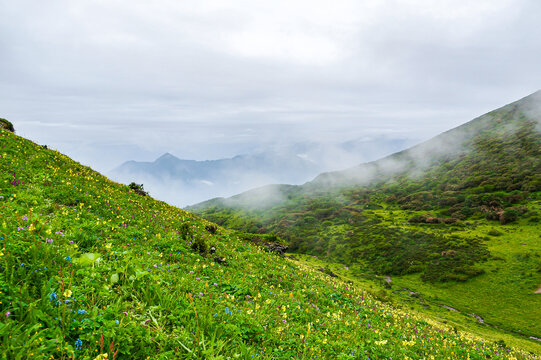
(81, 312)
(78, 344)
(53, 296)
(68, 258)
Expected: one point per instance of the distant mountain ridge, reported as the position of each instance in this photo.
(174, 179)
(182, 182)
(444, 146)
(454, 143)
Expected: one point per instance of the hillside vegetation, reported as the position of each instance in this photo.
(460, 209)
(89, 269)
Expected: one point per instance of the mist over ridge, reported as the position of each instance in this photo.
(182, 182)
(411, 163)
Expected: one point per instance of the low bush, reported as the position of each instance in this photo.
(6, 125)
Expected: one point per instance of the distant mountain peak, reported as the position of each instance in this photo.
(167, 156)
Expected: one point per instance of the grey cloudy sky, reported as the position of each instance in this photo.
(110, 80)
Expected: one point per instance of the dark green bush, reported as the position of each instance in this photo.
(509, 216)
(417, 219)
(494, 232)
(6, 125)
(138, 189)
(200, 245)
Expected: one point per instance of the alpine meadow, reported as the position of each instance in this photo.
(270, 180)
(430, 253)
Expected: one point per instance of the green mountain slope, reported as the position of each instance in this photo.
(91, 270)
(456, 217)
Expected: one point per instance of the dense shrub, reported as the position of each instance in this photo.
(494, 232)
(138, 189)
(509, 216)
(6, 125)
(200, 245)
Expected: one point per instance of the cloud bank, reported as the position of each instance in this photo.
(109, 81)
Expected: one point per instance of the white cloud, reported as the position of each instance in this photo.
(212, 78)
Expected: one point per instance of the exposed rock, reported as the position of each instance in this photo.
(386, 278)
(480, 320)
(413, 293)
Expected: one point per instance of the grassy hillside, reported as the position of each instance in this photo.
(455, 218)
(89, 269)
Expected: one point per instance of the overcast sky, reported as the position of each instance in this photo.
(111, 80)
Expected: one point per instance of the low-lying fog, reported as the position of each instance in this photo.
(183, 182)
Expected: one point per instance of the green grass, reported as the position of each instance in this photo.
(504, 294)
(417, 297)
(88, 267)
